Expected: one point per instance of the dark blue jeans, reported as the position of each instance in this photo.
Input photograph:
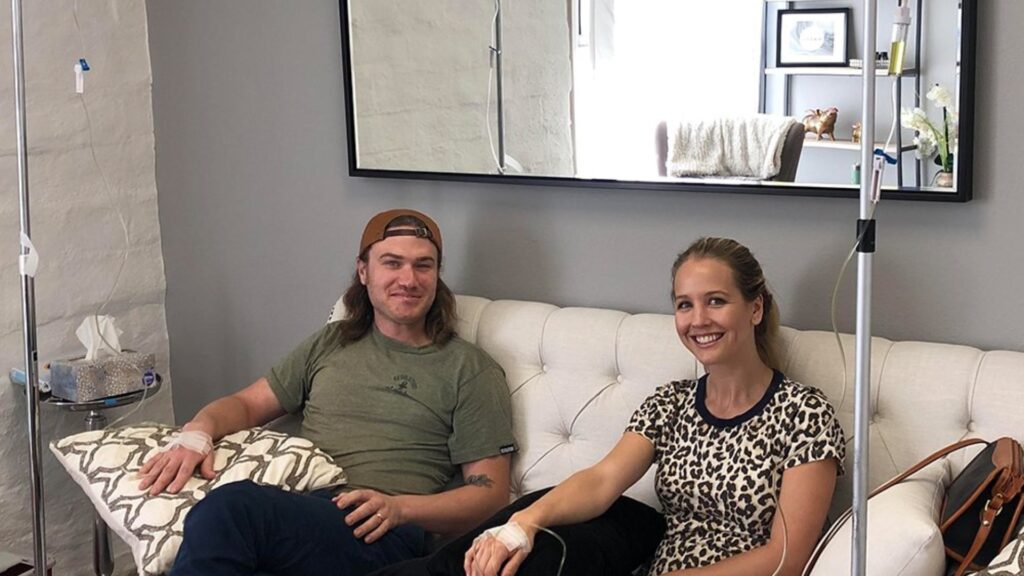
(243, 529)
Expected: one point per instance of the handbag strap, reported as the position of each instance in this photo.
(941, 453)
(987, 516)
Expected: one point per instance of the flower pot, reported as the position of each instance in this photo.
(944, 179)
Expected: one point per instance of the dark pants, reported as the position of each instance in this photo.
(242, 529)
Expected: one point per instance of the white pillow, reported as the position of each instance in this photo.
(105, 464)
(903, 532)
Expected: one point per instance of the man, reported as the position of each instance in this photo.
(390, 392)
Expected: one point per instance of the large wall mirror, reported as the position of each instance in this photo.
(659, 94)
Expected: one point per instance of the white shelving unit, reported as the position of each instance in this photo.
(830, 71)
(788, 72)
(813, 142)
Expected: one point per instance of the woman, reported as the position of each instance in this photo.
(731, 448)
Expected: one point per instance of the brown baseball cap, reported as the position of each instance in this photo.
(377, 229)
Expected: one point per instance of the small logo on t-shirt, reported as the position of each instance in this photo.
(507, 449)
(401, 384)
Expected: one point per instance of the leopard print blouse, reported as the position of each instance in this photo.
(717, 479)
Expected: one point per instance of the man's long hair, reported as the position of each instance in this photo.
(358, 320)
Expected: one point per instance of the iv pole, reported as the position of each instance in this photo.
(28, 302)
(499, 93)
(865, 250)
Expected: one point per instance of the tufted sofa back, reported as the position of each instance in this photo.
(577, 374)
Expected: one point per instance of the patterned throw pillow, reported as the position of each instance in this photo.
(1009, 561)
(105, 464)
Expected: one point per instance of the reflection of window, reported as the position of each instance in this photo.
(652, 60)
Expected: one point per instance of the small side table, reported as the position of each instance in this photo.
(102, 560)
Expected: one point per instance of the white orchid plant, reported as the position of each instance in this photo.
(932, 139)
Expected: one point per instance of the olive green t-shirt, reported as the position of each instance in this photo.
(397, 418)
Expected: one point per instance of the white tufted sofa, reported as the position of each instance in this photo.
(577, 374)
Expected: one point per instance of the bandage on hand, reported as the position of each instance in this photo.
(511, 535)
(194, 440)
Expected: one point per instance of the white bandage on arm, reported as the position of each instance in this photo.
(511, 535)
(194, 440)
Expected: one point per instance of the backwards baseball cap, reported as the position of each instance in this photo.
(377, 229)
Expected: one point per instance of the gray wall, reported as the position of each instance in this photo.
(260, 220)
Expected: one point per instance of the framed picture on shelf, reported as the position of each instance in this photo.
(816, 37)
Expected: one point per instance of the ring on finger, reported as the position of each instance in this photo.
(380, 517)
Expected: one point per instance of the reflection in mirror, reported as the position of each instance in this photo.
(653, 91)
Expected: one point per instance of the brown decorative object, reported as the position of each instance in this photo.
(821, 122)
(856, 132)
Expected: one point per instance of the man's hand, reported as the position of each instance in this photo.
(374, 513)
(171, 468)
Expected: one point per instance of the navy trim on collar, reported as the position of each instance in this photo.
(702, 409)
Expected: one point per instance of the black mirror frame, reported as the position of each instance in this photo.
(965, 148)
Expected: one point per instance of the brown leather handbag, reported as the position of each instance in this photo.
(982, 509)
(983, 505)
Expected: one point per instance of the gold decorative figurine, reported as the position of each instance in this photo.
(821, 122)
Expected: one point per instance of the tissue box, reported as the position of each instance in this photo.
(82, 380)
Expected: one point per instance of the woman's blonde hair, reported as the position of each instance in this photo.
(750, 280)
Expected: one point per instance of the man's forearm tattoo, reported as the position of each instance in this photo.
(479, 480)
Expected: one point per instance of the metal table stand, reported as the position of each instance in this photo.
(102, 560)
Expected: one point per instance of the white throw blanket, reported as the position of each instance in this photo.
(748, 146)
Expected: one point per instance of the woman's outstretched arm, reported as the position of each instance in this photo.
(582, 496)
